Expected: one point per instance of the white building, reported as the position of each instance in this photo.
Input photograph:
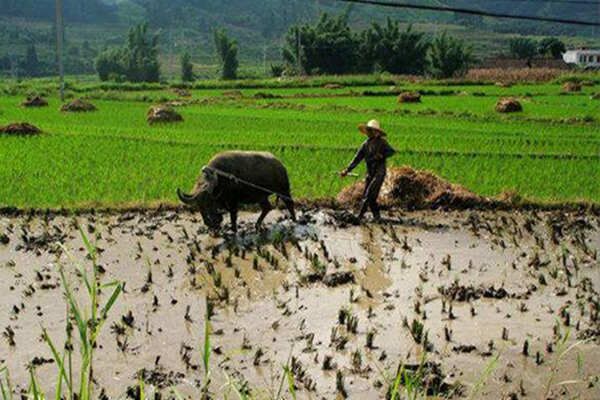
(583, 58)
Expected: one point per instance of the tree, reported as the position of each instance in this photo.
(227, 52)
(552, 47)
(110, 64)
(142, 55)
(136, 62)
(449, 57)
(187, 68)
(31, 63)
(523, 48)
(328, 47)
(395, 51)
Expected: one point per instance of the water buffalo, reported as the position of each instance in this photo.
(221, 185)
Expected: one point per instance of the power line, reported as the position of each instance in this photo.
(470, 12)
(585, 2)
(60, 32)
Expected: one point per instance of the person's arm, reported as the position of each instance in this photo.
(388, 150)
(384, 150)
(358, 157)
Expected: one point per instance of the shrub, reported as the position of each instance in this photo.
(523, 48)
(449, 57)
(187, 68)
(227, 52)
(552, 47)
(395, 51)
(277, 70)
(329, 47)
(137, 62)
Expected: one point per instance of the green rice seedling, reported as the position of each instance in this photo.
(290, 380)
(206, 349)
(563, 348)
(357, 360)
(417, 330)
(370, 338)
(34, 392)
(484, 376)
(284, 376)
(6, 389)
(339, 383)
(408, 384)
(541, 155)
(142, 388)
(89, 323)
(176, 393)
(239, 388)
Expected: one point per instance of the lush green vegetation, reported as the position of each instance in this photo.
(330, 46)
(93, 26)
(548, 153)
(136, 62)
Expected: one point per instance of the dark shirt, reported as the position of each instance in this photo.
(374, 151)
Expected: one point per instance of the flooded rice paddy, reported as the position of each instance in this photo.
(340, 306)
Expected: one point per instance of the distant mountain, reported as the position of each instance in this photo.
(258, 25)
(75, 10)
(273, 16)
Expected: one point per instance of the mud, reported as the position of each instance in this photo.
(342, 306)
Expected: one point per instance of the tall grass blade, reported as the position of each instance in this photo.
(5, 389)
(290, 379)
(487, 372)
(58, 359)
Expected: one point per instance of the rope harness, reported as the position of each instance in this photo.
(245, 182)
(261, 188)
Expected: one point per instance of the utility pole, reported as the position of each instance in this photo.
(265, 60)
(59, 47)
(13, 66)
(298, 41)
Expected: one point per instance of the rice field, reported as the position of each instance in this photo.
(549, 153)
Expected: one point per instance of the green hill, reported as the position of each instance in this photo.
(186, 25)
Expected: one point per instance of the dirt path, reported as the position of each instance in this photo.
(312, 295)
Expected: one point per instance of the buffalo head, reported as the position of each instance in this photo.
(204, 199)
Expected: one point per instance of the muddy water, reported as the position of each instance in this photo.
(481, 284)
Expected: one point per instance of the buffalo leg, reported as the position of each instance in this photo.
(233, 216)
(289, 204)
(265, 206)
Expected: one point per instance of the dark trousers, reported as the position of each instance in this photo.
(373, 184)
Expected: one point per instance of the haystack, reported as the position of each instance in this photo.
(34, 101)
(410, 188)
(163, 114)
(333, 86)
(409, 97)
(265, 95)
(20, 128)
(233, 93)
(508, 106)
(569, 87)
(78, 105)
(182, 92)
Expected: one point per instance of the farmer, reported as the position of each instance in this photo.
(375, 150)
